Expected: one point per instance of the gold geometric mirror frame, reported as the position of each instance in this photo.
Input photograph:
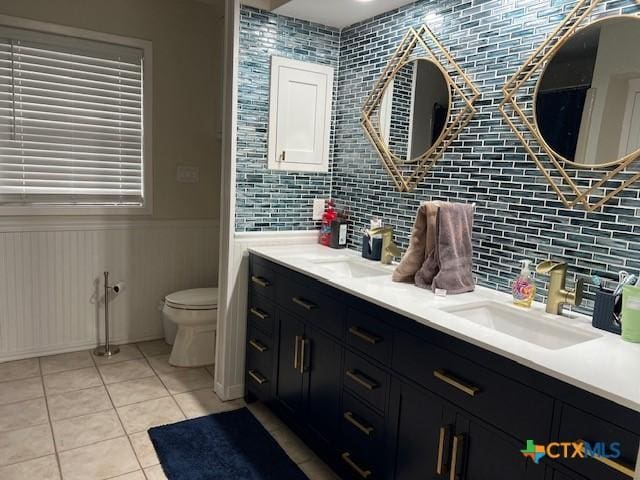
(592, 189)
(463, 94)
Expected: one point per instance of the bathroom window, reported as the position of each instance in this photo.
(74, 136)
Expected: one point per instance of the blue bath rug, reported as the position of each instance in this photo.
(230, 446)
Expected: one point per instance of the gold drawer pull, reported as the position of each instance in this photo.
(296, 351)
(307, 305)
(351, 418)
(362, 380)
(261, 282)
(259, 313)
(303, 360)
(364, 335)
(442, 437)
(456, 454)
(257, 377)
(258, 345)
(456, 382)
(346, 456)
(617, 466)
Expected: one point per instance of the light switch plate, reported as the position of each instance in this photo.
(186, 174)
(318, 208)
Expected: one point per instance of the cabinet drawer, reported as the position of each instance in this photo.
(259, 351)
(356, 467)
(578, 425)
(258, 383)
(496, 399)
(362, 429)
(368, 382)
(314, 306)
(261, 313)
(262, 280)
(369, 335)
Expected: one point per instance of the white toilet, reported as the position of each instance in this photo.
(195, 313)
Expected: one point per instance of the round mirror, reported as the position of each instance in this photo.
(587, 100)
(414, 109)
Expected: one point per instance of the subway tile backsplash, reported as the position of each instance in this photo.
(517, 213)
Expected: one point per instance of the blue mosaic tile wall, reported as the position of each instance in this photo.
(266, 199)
(518, 216)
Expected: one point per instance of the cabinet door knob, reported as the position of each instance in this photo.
(258, 345)
(306, 304)
(346, 456)
(361, 380)
(443, 437)
(617, 466)
(456, 382)
(259, 313)
(257, 377)
(303, 354)
(456, 455)
(351, 418)
(296, 352)
(364, 335)
(261, 282)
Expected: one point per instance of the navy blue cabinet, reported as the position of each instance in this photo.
(379, 396)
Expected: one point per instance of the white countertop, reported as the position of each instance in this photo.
(606, 366)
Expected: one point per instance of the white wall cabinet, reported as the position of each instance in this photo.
(299, 115)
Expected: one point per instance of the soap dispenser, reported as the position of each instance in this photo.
(524, 287)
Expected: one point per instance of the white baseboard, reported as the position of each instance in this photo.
(73, 347)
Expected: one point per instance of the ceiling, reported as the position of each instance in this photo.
(337, 13)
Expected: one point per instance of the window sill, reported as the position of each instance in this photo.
(73, 210)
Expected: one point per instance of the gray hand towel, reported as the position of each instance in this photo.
(454, 249)
(423, 277)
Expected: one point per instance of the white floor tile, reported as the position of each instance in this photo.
(160, 365)
(99, 461)
(134, 391)
(25, 444)
(65, 361)
(80, 431)
(71, 380)
(19, 369)
(155, 473)
(19, 390)
(139, 475)
(204, 402)
(23, 414)
(123, 371)
(315, 469)
(43, 468)
(154, 348)
(144, 449)
(290, 443)
(127, 352)
(140, 417)
(80, 402)
(188, 380)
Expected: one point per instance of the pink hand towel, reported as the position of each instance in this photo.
(423, 277)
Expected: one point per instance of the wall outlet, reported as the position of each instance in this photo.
(318, 208)
(186, 174)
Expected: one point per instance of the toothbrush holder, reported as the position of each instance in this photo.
(606, 312)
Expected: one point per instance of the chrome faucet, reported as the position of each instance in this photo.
(389, 249)
(558, 294)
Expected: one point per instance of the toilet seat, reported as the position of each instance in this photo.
(194, 299)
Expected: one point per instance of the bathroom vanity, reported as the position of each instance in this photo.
(384, 380)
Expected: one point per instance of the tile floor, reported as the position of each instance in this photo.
(79, 417)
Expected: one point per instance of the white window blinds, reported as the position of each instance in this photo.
(71, 121)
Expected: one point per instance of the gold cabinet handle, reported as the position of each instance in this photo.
(456, 382)
(351, 418)
(283, 156)
(364, 335)
(307, 305)
(361, 380)
(261, 282)
(456, 454)
(257, 377)
(346, 456)
(296, 353)
(617, 466)
(259, 313)
(442, 437)
(258, 345)
(303, 343)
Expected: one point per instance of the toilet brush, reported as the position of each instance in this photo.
(107, 349)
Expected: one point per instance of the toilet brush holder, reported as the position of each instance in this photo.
(106, 350)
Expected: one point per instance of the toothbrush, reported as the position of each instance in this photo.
(628, 280)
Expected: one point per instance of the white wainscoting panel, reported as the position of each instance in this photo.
(51, 279)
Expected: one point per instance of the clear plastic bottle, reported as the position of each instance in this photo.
(524, 287)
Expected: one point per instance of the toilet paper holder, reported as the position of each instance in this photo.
(108, 350)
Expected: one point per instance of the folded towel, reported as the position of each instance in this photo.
(423, 276)
(454, 249)
(414, 257)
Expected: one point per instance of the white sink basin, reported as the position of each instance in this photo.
(349, 267)
(527, 326)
